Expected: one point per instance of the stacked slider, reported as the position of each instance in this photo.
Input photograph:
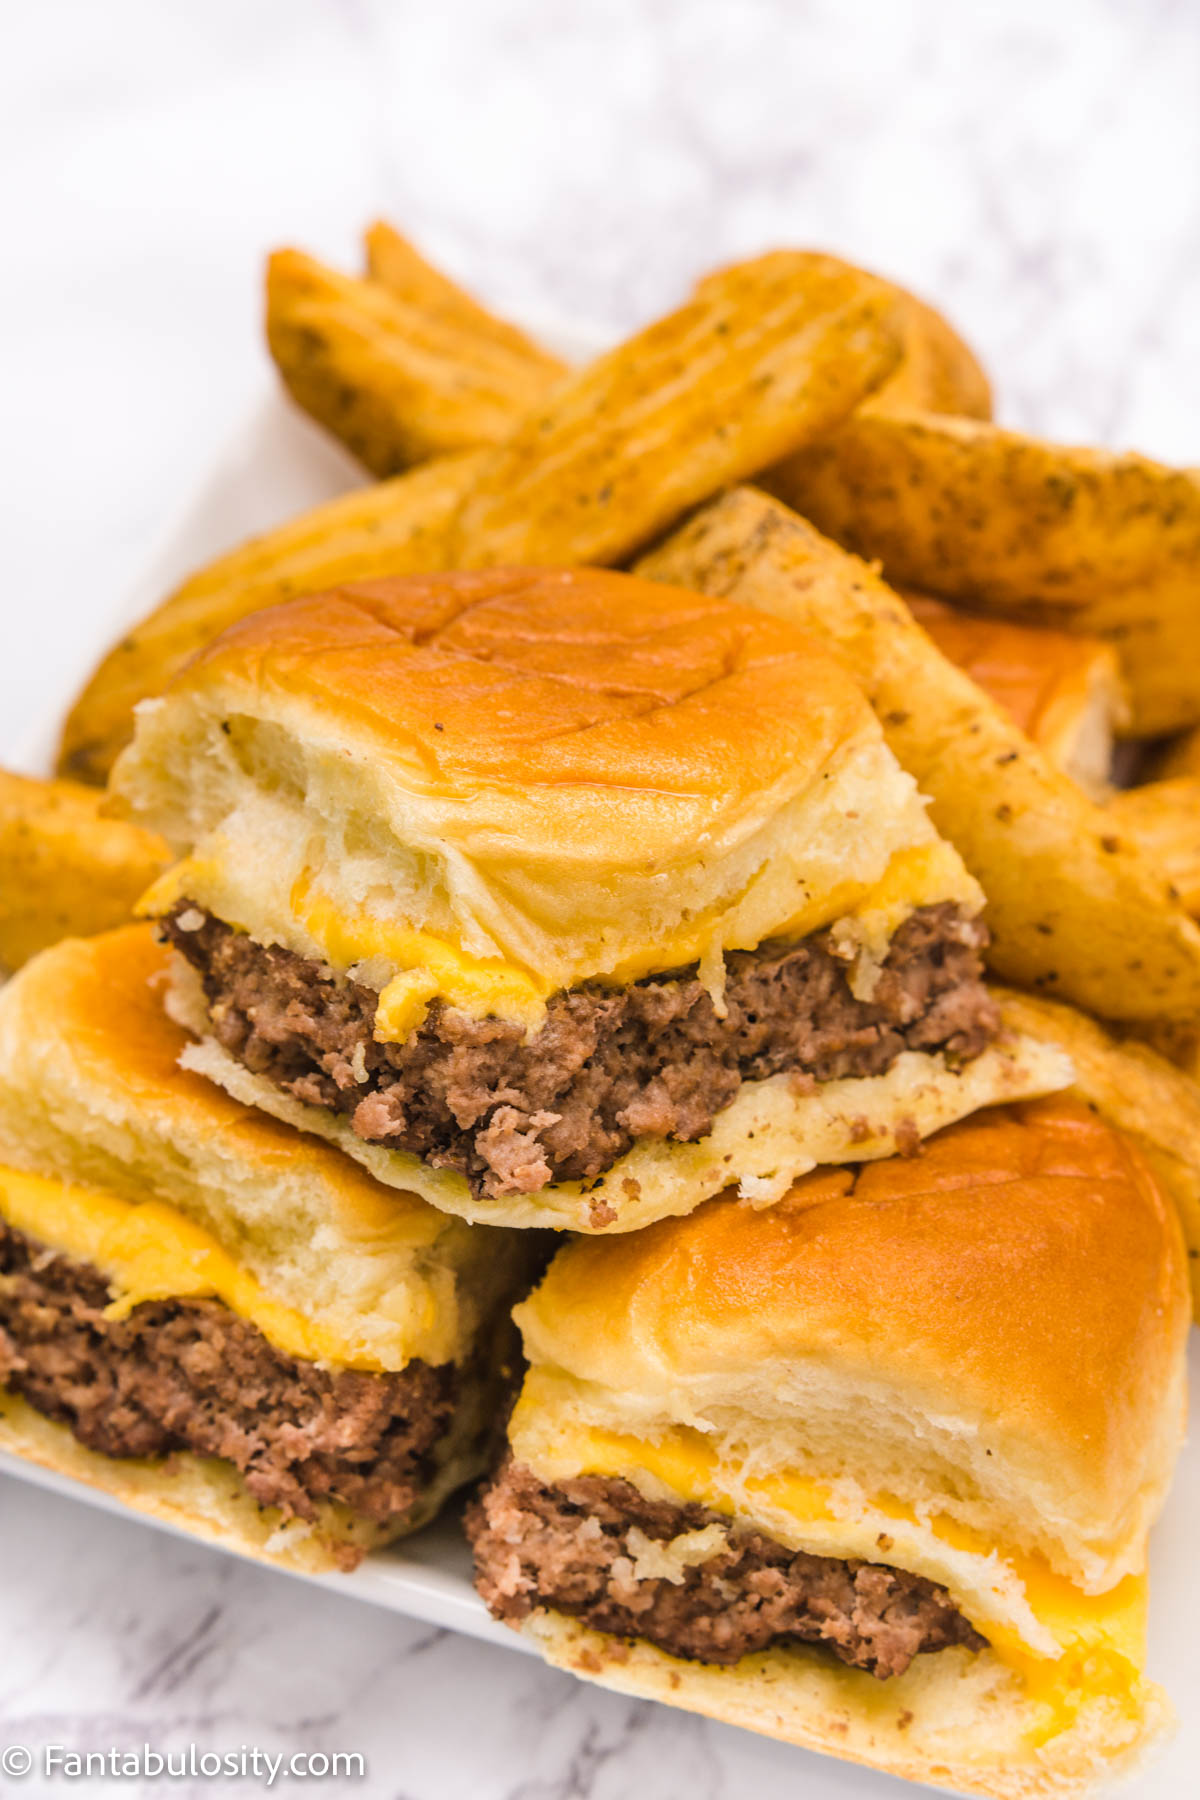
(554, 897)
(227, 1325)
(870, 1470)
(558, 897)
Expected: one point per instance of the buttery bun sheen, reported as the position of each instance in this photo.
(197, 1234)
(562, 897)
(965, 1369)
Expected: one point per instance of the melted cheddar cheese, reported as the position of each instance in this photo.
(150, 1251)
(1101, 1637)
(429, 967)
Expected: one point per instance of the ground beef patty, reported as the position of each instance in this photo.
(610, 1065)
(191, 1375)
(591, 1547)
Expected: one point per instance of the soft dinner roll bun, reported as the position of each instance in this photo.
(992, 1327)
(205, 1498)
(91, 1092)
(482, 788)
(113, 1156)
(769, 1132)
(953, 1721)
(968, 1365)
(573, 771)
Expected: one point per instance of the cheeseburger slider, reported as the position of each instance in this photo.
(871, 1470)
(559, 897)
(225, 1324)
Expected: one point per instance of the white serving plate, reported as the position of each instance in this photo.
(276, 466)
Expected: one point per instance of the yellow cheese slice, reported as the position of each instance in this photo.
(150, 1251)
(1102, 1636)
(429, 967)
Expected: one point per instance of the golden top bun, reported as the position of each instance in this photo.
(1135, 1090)
(562, 768)
(551, 677)
(995, 1325)
(91, 1093)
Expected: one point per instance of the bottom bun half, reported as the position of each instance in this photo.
(956, 1720)
(766, 1137)
(206, 1498)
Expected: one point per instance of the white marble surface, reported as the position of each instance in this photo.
(1031, 164)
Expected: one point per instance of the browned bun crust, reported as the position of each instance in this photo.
(568, 768)
(92, 1094)
(1149, 1093)
(1024, 1275)
(553, 675)
(493, 786)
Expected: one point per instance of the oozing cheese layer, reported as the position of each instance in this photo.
(150, 1251)
(1092, 1646)
(428, 967)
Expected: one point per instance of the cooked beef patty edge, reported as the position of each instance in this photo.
(610, 1066)
(191, 1375)
(596, 1549)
